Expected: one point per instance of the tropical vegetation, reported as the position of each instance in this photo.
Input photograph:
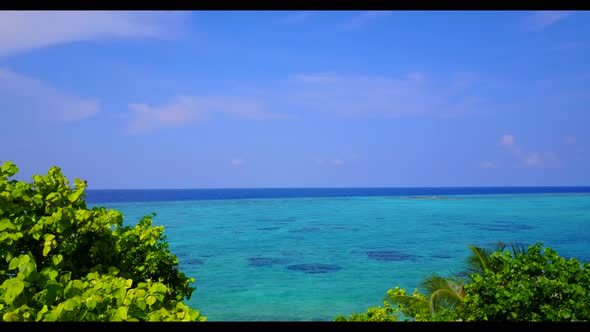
(524, 284)
(60, 261)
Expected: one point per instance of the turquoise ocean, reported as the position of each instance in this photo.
(312, 254)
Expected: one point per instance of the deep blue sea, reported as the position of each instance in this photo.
(311, 254)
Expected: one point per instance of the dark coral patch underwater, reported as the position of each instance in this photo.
(266, 261)
(314, 268)
(390, 256)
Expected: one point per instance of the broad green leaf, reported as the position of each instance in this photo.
(48, 238)
(27, 268)
(75, 195)
(8, 169)
(122, 313)
(52, 197)
(56, 259)
(10, 317)
(38, 200)
(72, 304)
(140, 293)
(90, 303)
(150, 300)
(12, 289)
(24, 259)
(6, 224)
(53, 274)
(119, 294)
(194, 314)
(141, 304)
(41, 313)
(128, 283)
(13, 263)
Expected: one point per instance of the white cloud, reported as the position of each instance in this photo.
(296, 18)
(528, 159)
(507, 140)
(236, 162)
(367, 16)
(570, 140)
(330, 162)
(412, 94)
(178, 114)
(488, 165)
(576, 45)
(187, 110)
(539, 159)
(22, 31)
(543, 19)
(27, 98)
(509, 143)
(314, 79)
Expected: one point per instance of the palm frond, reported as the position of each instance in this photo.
(409, 305)
(500, 246)
(478, 261)
(457, 278)
(435, 282)
(518, 249)
(447, 299)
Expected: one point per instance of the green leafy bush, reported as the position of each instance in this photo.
(60, 261)
(537, 285)
(374, 314)
(396, 305)
(521, 285)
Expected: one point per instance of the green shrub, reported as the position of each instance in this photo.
(374, 314)
(397, 305)
(60, 261)
(521, 285)
(537, 285)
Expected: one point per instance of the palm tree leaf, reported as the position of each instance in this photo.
(444, 298)
(518, 249)
(478, 261)
(409, 305)
(434, 283)
(500, 246)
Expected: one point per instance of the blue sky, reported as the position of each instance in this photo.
(222, 99)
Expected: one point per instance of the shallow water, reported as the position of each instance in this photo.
(310, 259)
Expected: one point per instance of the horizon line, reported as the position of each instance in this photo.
(404, 187)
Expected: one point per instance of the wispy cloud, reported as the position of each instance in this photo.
(570, 140)
(488, 165)
(507, 141)
(315, 78)
(366, 17)
(528, 159)
(30, 99)
(330, 162)
(575, 45)
(187, 110)
(22, 31)
(409, 95)
(297, 17)
(543, 19)
(236, 162)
